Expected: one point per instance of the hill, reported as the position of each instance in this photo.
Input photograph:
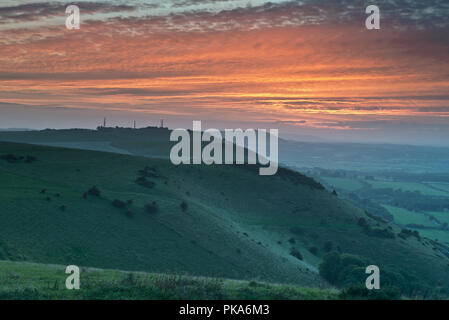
(150, 141)
(216, 221)
(153, 142)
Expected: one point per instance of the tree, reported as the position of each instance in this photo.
(119, 204)
(142, 181)
(330, 267)
(152, 208)
(328, 245)
(129, 214)
(295, 252)
(30, 159)
(184, 206)
(94, 191)
(313, 250)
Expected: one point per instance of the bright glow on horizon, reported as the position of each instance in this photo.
(309, 69)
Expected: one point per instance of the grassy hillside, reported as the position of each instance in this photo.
(151, 141)
(218, 221)
(22, 280)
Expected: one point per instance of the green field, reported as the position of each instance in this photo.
(441, 216)
(404, 217)
(440, 186)
(439, 235)
(408, 186)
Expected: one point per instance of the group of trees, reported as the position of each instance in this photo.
(93, 191)
(144, 182)
(295, 253)
(150, 208)
(144, 175)
(149, 172)
(410, 200)
(123, 205)
(348, 271)
(12, 158)
(376, 232)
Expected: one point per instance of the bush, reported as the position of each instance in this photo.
(62, 208)
(361, 293)
(152, 208)
(149, 173)
(362, 222)
(345, 269)
(184, 206)
(313, 250)
(119, 204)
(129, 214)
(94, 191)
(11, 158)
(405, 233)
(348, 270)
(328, 246)
(330, 267)
(30, 159)
(294, 252)
(142, 181)
(379, 233)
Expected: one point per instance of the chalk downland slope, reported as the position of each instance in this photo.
(216, 221)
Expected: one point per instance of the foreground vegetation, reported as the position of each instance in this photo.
(20, 280)
(347, 271)
(32, 281)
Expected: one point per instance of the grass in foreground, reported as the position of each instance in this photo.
(31, 281)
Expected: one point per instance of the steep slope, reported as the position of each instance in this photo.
(45, 216)
(235, 224)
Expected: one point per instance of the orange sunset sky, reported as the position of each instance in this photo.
(305, 67)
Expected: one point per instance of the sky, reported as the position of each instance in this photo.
(308, 68)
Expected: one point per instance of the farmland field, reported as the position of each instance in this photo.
(408, 186)
(404, 217)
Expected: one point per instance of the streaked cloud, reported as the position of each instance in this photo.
(300, 64)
